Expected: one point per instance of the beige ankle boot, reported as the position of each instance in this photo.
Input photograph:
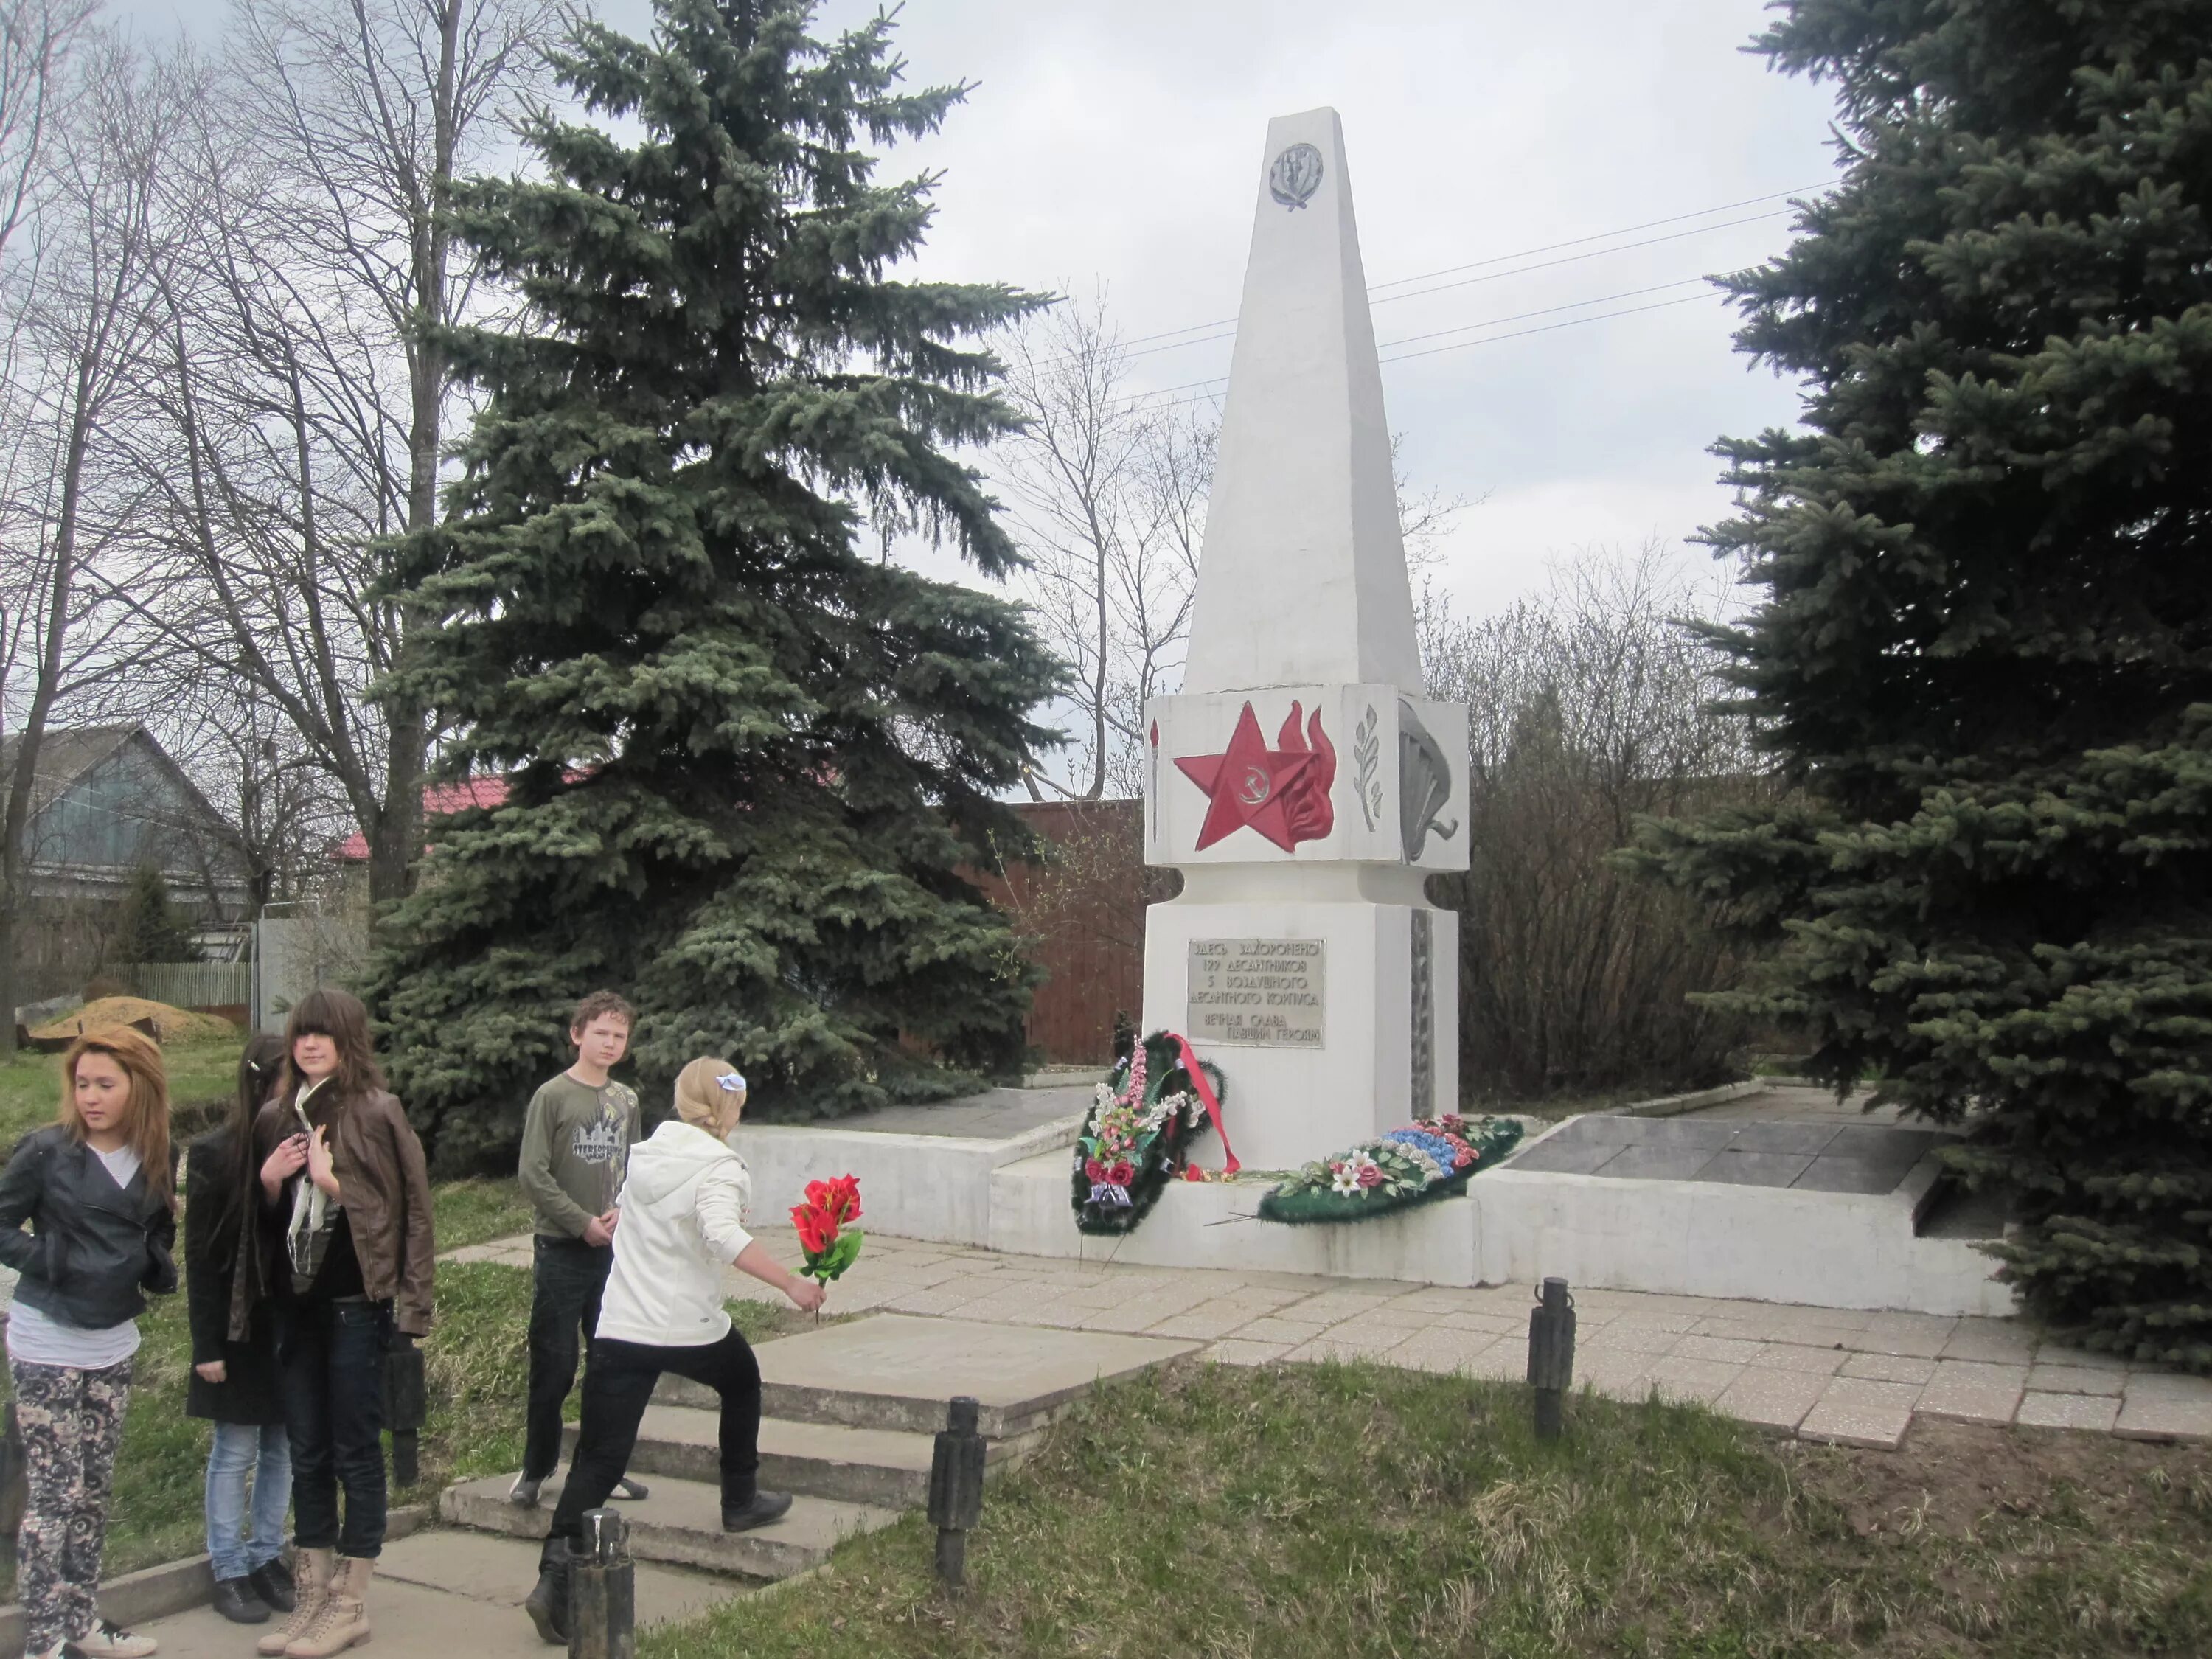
(342, 1621)
(311, 1584)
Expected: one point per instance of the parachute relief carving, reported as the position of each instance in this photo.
(1424, 785)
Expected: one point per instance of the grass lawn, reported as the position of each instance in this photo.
(1328, 1511)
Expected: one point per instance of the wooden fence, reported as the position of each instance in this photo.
(190, 984)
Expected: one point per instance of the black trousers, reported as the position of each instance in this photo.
(331, 1360)
(567, 1278)
(618, 1384)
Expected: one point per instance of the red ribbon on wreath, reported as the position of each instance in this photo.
(1191, 1172)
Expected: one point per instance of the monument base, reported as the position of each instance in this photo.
(1324, 1015)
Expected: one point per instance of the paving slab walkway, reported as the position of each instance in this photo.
(442, 1593)
(1824, 1373)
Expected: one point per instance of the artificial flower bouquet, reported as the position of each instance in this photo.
(830, 1245)
(1134, 1139)
(1429, 1159)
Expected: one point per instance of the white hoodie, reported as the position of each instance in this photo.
(682, 1222)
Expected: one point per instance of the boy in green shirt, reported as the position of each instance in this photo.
(575, 1147)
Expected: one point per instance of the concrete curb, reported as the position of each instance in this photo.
(151, 1592)
(1675, 1105)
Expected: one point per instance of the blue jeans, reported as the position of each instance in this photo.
(240, 1449)
(330, 1356)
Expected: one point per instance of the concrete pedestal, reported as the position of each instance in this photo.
(1358, 1039)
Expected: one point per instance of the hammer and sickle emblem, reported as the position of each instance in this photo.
(1257, 783)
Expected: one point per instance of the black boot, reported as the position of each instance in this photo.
(236, 1600)
(547, 1604)
(757, 1510)
(272, 1582)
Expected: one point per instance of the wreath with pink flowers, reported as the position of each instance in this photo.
(1135, 1138)
(1429, 1159)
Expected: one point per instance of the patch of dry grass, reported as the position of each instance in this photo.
(1319, 1512)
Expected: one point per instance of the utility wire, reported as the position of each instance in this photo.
(1468, 282)
(1461, 345)
(1524, 253)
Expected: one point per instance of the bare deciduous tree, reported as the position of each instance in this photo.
(37, 38)
(82, 319)
(1110, 496)
(1589, 707)
(298, 431)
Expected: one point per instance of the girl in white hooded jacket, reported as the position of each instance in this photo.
(681, 1221)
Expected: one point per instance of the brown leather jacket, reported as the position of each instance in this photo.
(387, 1186)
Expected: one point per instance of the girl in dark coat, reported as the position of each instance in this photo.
(234, 1382)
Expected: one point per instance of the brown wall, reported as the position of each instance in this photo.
(1081, 916)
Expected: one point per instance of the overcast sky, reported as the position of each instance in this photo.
(1115, 142)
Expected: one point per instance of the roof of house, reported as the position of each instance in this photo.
(438, 801)
(65, 754)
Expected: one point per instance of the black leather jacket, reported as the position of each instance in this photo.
(97, 1250)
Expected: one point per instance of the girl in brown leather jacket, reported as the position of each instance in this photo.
(347, 1251)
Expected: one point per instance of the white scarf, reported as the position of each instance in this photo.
(311, 1204)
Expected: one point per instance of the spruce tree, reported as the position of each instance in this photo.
(150, 926)
(1983, 651)
(747, 764)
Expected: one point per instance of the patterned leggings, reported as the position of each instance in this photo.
(72, 1421)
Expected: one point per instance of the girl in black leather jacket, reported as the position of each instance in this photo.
(99, 1188)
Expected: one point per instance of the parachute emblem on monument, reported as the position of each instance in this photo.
(1424, 784)
(1295, 176)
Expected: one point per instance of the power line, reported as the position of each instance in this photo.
(1601, 236)
(1573, 322)
(1529, 252)
(1548, 311)
(1461, 345)
(1463, 328)
(1469, 281)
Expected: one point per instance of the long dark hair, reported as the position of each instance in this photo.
(227, 1196)
(339, 1016)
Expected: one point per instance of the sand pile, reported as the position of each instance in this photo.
(170, 1025)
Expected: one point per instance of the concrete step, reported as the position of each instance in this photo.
(681, 1524)
(896, 1372)
(883, 1467)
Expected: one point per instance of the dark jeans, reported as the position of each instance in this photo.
(566, 1280)
(617, 1386)
(330, 1356)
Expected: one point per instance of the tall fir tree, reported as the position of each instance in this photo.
(150, 926)
(746, 764)
(1984, 649)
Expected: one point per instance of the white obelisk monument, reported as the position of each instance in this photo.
(1302, 780)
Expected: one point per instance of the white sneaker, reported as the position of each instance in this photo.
(109, 1640)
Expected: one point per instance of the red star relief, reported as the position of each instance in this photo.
(1247, 784)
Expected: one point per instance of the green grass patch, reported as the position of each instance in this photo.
(478, 1212)
(1315, 1512)
(203, 1078)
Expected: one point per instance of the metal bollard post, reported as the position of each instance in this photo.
(406, 1405)
(602, 1590)
(1551, 1354)
(956, 1490)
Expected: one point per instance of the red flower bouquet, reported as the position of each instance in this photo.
(829, 1244)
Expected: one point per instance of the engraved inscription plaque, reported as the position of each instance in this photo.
(1259, 992)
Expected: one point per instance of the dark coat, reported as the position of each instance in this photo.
(96, 1250)
(217, 1219)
